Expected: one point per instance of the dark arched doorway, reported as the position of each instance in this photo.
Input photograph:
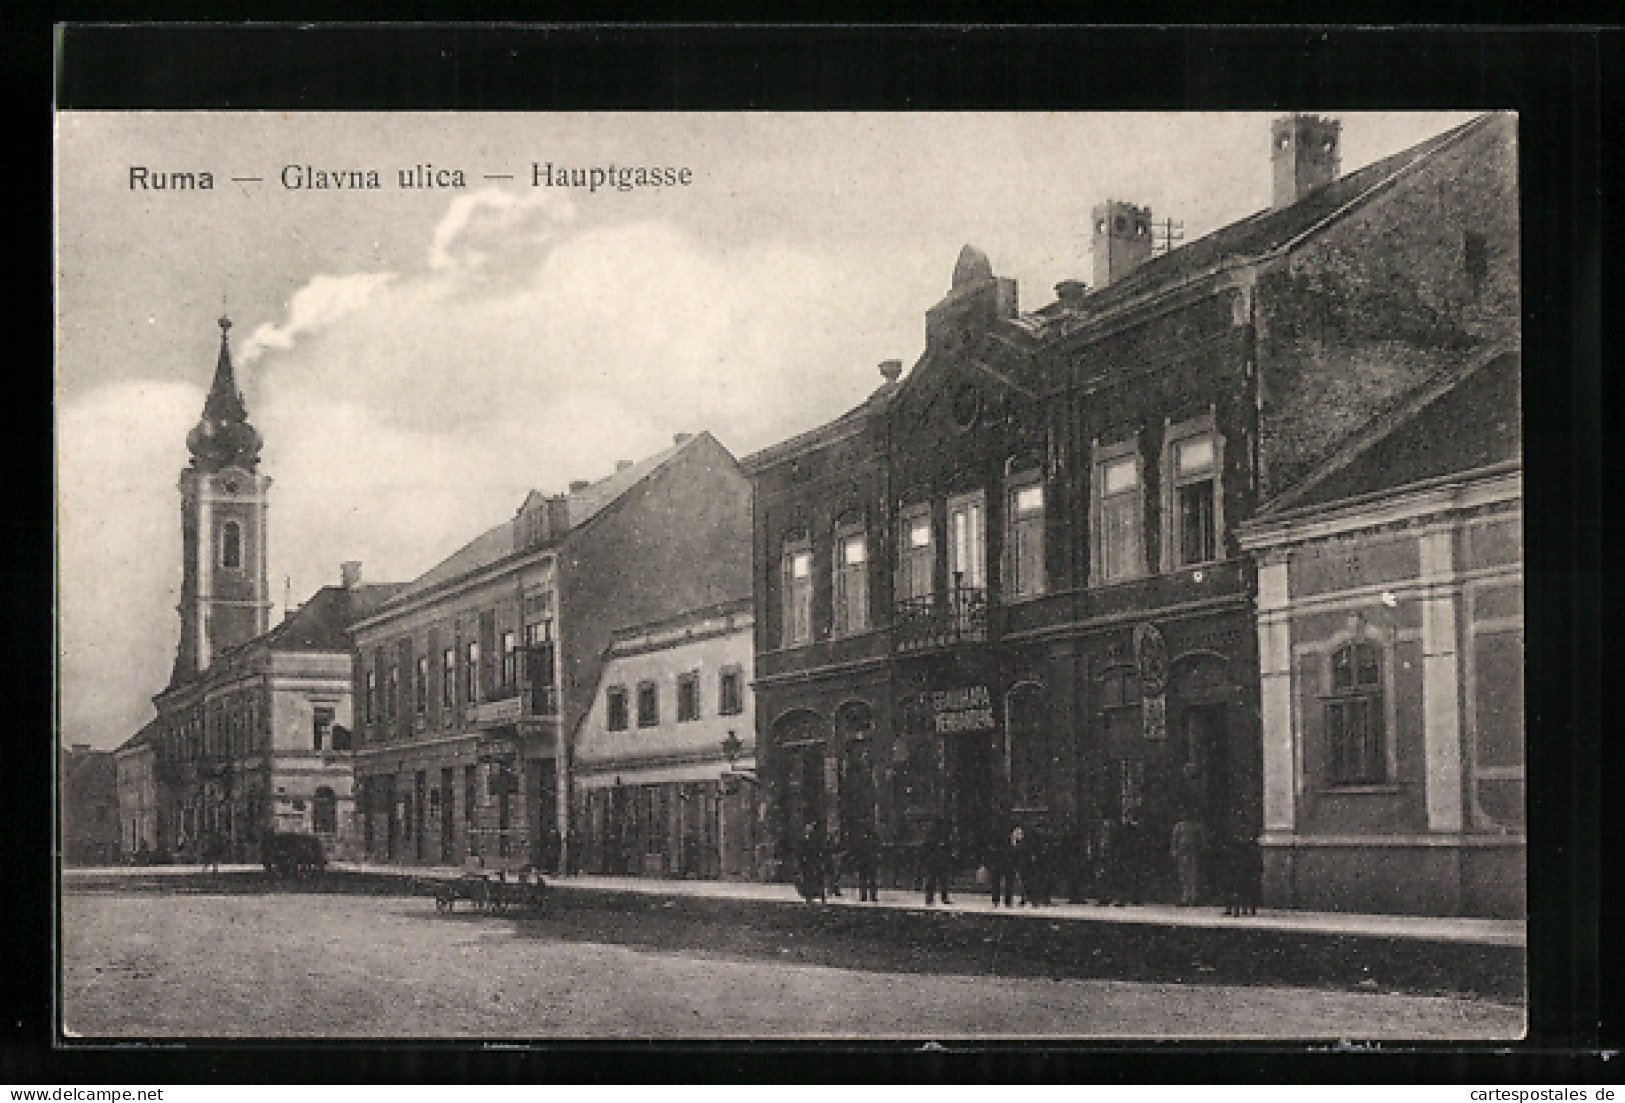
(805, 775)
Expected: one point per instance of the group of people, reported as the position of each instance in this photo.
(1025, 863)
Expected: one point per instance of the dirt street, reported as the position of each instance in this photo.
(356, 966)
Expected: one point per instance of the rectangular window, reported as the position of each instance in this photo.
(420, 686)
(392, 692)
(917, 559)
(1191, 518)
(448, 679)
(510, 660)
(471, 791)
(967, 566)
(471, 671)
(797, 597)
(321, 727)
(1119, 548)
(1025, 543)
(1356, 751)
(688, 697)
(729, 692)
(851, 582)
(648, 705)
(615, 708)
(371, 706)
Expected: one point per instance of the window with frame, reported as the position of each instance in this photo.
(321, 726)
(1356, 753)
(420, 685)
(917, 557)
(1119, 514)
(1024, 544)
(231, 546)
(510, 660)
(392, 692)
(648, 705)
(615, 715)
(1192, 502)
(448, 679)
(688, 696)
(370, 706)
(797, 589)
(967, 542)
(471, 671)
(730, 693)
(851, 580)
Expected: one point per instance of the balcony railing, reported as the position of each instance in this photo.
(940, 620)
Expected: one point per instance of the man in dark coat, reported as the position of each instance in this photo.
(1004, 862)
(938, 857)
(812, 866)
(863, 852)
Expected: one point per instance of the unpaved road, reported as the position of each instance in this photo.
(339, 966)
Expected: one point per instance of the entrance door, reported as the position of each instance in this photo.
(972, 767)
(1209, 769)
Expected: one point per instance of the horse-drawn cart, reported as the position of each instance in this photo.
(493, 891)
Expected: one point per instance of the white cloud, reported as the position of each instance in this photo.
(493, 215)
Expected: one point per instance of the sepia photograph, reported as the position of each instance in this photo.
(766, 575)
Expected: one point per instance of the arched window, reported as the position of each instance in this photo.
(1356, 753)
(231, 546)
(324, 811)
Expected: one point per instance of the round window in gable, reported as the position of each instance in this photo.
(967, 407)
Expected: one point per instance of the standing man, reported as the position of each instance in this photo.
(1004, 862)
(864, 854)
(811, 875)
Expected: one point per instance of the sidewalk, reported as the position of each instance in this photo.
(1495, 932)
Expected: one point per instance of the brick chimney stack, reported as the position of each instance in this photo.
(1120, 240)
(1306, 153)
(350, 574)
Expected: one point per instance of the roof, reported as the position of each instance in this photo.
(818, 434)
(145, 737)
(497, 543)
(1264, 232)
(1470, 423)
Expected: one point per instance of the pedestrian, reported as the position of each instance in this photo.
(1035, 868)
(1186, 846)
(939, 861)
(864, 854)
(811, 877)
(832, 866)
(1008, 854)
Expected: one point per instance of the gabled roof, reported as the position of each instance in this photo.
(143, 738)
(498, 543)
(1268, 230)
(1468, 423)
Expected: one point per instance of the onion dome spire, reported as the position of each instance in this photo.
(223, 437)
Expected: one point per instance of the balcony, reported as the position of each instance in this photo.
(940, 620)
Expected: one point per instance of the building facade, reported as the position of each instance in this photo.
(252, 732)
(665, 781)
(1007, 588)
(1391, 636)
(474, 679)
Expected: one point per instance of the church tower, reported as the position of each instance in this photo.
(225, 596)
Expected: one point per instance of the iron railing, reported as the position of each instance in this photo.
(958, 615)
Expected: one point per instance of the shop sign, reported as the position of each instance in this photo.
(964, 709)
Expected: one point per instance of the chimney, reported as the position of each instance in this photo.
(1071, 291)
(350, 574)
(578, 485)
(1120, 240)
(890, 370)
(622, 465)
(1305, 154)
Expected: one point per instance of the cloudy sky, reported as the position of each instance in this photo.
(417, 358)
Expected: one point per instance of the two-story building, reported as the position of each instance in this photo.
(473, 680)
(1007, 587)
(665, 782)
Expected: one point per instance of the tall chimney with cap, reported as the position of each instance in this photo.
(350, 574)
(1120, 239)
(891, 370)
(1305, 154)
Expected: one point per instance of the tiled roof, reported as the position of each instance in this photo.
(1473, 423)
(497, 543)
